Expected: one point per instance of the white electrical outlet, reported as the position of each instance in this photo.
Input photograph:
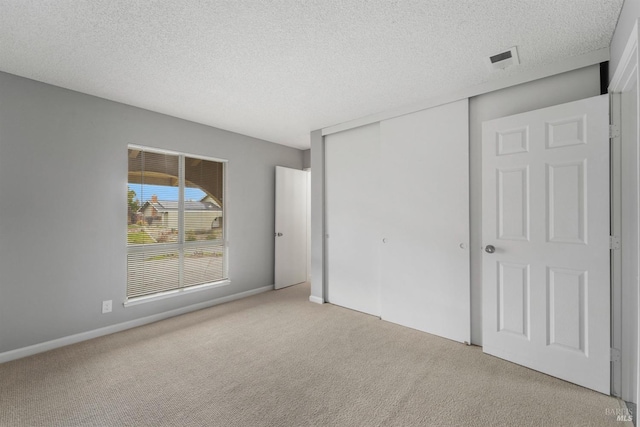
(106, 306)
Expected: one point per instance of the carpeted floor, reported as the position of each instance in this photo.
(276, 359)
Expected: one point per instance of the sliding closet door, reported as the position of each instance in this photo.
(353, 203)
(424, 263)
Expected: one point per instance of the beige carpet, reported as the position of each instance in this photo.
(276, 359)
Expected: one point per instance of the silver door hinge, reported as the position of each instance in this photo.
(614, 242)
(615, 355)
(614, 131)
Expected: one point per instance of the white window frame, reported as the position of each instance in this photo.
(136, 248)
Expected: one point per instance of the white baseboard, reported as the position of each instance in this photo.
(316, 299)
(83, 336)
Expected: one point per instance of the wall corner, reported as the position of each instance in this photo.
(317, 216)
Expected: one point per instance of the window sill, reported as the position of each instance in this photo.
(170, 294)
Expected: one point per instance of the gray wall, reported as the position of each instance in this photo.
(306, 158)
(630, 12)
(63, 175)
(558, 89)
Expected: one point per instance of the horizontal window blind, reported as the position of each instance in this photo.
(152, 271)
(175, 222)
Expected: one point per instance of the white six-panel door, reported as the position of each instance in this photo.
(545, 190)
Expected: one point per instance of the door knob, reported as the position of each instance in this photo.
(490, 249)
(278, 234)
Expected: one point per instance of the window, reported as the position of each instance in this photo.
(175, 222)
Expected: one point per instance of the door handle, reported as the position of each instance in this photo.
(490, 249)
(278, 234)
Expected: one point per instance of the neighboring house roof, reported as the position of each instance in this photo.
(189, 206)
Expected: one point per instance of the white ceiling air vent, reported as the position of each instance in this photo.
(503, 59)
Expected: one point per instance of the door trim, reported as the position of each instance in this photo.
(624, 78)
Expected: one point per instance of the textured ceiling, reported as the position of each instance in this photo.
(277, 69)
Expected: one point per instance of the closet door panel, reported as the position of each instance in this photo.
(352, 203)
(424, 202)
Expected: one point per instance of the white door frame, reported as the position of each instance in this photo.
(308, 170)
(625, 78)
